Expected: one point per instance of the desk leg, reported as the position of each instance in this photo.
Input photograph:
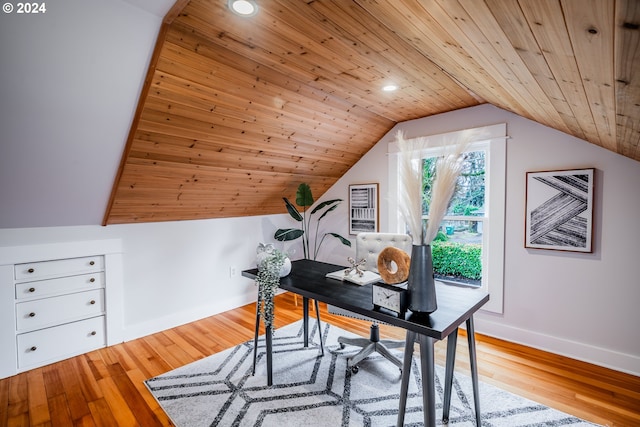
(471, 339)
(319, 326)
(269, 338)
(427, 362)
(452, 340)
(406, 374)
(305, 320)
(268, 342)
(255, 336)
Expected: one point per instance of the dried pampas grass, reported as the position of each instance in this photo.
(410, 191)
(448, 167)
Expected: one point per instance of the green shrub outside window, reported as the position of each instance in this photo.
(457, 260)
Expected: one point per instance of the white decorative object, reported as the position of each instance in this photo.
(286, 267)
(266, 250)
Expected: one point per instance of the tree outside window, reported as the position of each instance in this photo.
(457, 249)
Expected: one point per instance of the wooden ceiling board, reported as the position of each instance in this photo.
(488, 36)
(283, 87)
(591, 32)
(236, 112)
(477, 52)
(513, 25)
(431, 40)
(627, 80)
(372, 41)
(546, 19)
(181, 151)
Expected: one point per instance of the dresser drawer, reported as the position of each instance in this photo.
(58, 268)
(62, 285)
(41, 313)
(52, 344)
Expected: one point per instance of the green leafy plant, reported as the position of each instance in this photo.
(268, 280)
(304, 199)
(440, 237)
(457, 259)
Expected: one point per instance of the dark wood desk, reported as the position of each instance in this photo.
(456, 305)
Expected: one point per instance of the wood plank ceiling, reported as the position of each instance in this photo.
(236, 112)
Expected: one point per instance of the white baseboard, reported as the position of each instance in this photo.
(172, 320)
(607, 358)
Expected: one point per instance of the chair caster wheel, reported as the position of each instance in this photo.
(354, 369)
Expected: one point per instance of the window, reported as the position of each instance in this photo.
(470, 245)
(457, 249)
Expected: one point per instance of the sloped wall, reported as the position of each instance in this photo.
(69, 82)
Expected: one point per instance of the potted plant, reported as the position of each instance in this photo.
(304, 199)
(270, 269)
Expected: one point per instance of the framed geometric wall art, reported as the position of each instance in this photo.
(363, 208)
(559, 210)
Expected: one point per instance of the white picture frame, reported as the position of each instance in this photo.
(559, 210)
(363, 208)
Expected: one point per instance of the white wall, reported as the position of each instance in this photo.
(580, 305)
(173, 272)
(69, 84)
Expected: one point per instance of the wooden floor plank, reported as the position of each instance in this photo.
(18, 398)
(170, 352)
(19, 420)
(4, 402)
(144, 415)
(106, 387)
(88, 378)
(137, 379)
(102, 413)
(37, 397)
(60, 414)
(174, 336)
(117, 403)
(76, 399)
(147, 358)
(52, 381)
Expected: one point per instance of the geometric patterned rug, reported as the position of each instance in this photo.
(311, 390)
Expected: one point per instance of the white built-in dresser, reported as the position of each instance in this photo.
(57, 301)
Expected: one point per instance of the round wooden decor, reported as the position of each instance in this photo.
(393, 265)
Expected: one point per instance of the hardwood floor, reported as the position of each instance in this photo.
(105, 387)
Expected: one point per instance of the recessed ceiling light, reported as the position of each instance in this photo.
(243, 7)
(389, 88)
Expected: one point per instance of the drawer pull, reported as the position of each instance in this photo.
(32, 314)
(34, 348)
(92, 262)
(93, 333)
(32, 289)
(92, 302)
(31, 270)
(92, 279)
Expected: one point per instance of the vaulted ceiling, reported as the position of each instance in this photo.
(236, 112)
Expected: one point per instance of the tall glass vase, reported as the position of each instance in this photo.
(422, 286)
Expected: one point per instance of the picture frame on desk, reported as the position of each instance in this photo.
(559, 210)
(363, 208)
